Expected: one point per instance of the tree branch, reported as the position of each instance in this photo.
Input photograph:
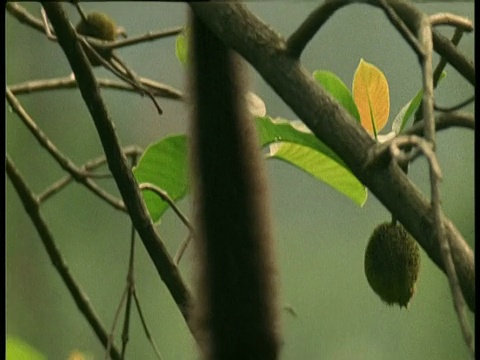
(444, 121)
(65, 163)
(298, 41)
(117, 162)
(130, 151)
(32, 208)
(267, 53)
(156, 88)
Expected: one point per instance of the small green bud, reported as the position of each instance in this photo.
(101, 27)
(392, 262)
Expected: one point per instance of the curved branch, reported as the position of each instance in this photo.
(267, 53)
(409, 14)
(456, 21)
(312, 24)
(444, 121)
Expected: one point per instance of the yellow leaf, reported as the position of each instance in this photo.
(371, 95)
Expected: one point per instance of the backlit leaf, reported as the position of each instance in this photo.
(295, 144)
(321, 167)
(371, 95)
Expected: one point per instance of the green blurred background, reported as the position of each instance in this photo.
(321, 234)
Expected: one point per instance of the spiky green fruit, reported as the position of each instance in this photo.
(99, 26)
(392, 262)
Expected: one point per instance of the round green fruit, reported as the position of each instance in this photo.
(392, 262)
(101, 27)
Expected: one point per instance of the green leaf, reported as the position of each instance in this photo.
(321, 167)
(401, 119)
(299, 147)
(281, 130)
(335, 87)
(164, 164)
(181, 47)
(17, 349)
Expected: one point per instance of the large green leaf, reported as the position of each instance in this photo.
(322, 168)
(164, 164)
(299, 147)
(281, 130)
(335, 87)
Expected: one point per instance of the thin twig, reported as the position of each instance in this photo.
(120, 70)
(145, 327)
(81, 12)
(32, 208)
(114, 323)
(150, 36)
(455, 58)
(132, 293)
(444, 121)
(437, 73)
(23, 16)
(181, 250)
(165, 197)
(380, 153)
(119, 64)
(130, 288)
(398, 23)
(460, 105)
(64, 162)
(418, 143)
(132, 151)
(55, 188)
(48, 31)
(69, 82)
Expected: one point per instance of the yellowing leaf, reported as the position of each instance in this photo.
(371, 95)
